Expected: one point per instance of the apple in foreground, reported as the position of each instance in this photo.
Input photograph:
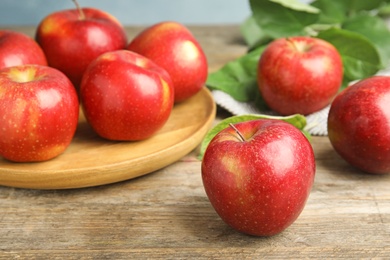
(258, 175)
(39, 111)
(125, 96)
(172, 46)
(359, 125)
(17, 48)
(299, 75)
(71, 39)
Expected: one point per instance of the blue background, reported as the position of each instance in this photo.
(132, 12)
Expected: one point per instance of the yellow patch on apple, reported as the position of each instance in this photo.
(20, 111)
(55, 150)
(22, 75)
(108, 56)
(49, 25)
(168, 26)
(166, 95)
(232, 165)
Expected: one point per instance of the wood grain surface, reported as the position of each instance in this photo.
(166, 214)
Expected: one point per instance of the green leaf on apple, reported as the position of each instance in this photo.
(299, 121)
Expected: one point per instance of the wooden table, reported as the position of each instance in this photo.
(167, 215)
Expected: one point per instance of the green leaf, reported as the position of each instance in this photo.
(353, 6)
(296, 5)
(332, 12)
(360, 57)
(238, 77)
(299, 121)
(374, 29)
(252, 33)
(336, 11)
(282, 18)
(384, 11)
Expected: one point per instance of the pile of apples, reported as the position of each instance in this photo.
(304, 74)
(258, 174)
(82, 56)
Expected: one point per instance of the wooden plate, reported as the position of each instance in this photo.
(91, 160)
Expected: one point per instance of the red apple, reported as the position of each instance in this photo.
(39, 112)
(71, 39)
(259, 175)
(299, 75)
(17, 48)
(173, 47)
(359, 125)
(125, 96)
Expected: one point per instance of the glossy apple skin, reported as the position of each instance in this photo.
(299, 75)
(125, 96)
(39, 111)
(173, 47)
(71, 43)
(259, 186)
(17, 48)
(359, 125)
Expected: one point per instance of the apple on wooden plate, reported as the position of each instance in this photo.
(39, 112)
(17, 48)
(172, 46)
(125, 96)
(73, 38)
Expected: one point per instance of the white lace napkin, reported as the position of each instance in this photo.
(316, 122)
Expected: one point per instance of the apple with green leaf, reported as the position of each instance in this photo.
(299, 75)
(71, 39)
(39, 111)
(173, 47)
(258, 175)
(17, 48)
(125, 96)
(359, 125)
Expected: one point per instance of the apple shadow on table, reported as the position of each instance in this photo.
(200, 220)
(335, 165)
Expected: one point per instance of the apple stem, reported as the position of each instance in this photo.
(299, 46)
(242, 139)
(82, 15)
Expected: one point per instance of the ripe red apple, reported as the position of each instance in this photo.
(71, 39)
(173, 47)
(125, 96)
(359, 124)
(17, 48)
(258, 175)
(299, 75)
(39, 111)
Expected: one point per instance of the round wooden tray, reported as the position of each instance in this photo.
(91, 160)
